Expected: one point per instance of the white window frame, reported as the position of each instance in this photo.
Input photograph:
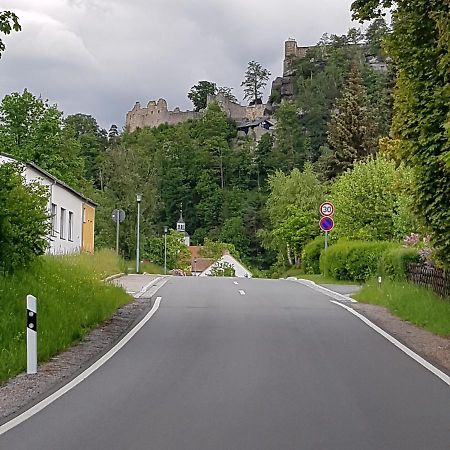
(70, 227)
(62, 224)
(54, 217)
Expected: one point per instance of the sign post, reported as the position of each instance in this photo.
(31, 335)
(118, 216)
(326, 222)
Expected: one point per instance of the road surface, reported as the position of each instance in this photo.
(262, 364)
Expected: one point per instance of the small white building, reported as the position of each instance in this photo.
(227, 261)
(72, 214)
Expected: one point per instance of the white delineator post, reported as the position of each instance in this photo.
(31, 334)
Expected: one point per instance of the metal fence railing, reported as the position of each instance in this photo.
(436, 279)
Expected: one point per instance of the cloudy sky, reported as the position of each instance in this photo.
(99, 57)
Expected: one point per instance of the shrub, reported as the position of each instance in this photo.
(311, 255)
(394, 262)
(24, 221)
(353, 260)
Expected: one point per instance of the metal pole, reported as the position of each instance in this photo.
(117, 232)
(31, 335)
(165, 253)
(137, 243)
(326, 240)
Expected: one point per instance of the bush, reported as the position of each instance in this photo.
(311, 255)
(394, 262)
(24, 221)
(353, 260)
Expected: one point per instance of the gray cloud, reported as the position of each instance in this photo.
(100, 56)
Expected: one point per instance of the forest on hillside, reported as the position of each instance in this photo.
(336, 139)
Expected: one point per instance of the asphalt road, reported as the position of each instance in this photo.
(277, 368)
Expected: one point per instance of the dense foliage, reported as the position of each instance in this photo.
(23, 220)
(8, 22)
(419, 46)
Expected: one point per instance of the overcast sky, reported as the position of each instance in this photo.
(99, 57)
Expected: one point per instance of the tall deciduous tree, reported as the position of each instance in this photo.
(351, 132)
(255, 81)
(199, 94)
(419, 46)
(31, 129)
(24, 220)
(8, 22)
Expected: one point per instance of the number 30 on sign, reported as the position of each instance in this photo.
(327, 209)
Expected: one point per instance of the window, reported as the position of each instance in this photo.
(54, 219)
(70, 229)
(62, 224)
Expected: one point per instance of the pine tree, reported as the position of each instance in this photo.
(351, 131)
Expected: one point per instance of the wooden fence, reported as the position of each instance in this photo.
(436, 279)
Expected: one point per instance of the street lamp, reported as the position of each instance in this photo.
(138, 199)
(195, 267)
(165, 250)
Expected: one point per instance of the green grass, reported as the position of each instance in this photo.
(415, 304)
(148, 267)
(71, 301)
(319, 279)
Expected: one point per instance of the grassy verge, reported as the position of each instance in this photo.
(71, 301)
(319, 279)
(415, 304)
(148, 267)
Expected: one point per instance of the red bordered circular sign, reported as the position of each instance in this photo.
(327, 209)
(326, 223)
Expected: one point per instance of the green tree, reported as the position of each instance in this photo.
(373, 201)
(293, 210)
(199, 93)
(419, 47)
(24, 221)
(8, 22)
(227, 92)
(376, 34)
(351, 132)
(32, 130)
(255, 81)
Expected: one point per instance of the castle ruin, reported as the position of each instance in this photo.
(157, 113)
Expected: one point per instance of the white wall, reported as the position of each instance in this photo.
(239, 270)
(62, 198)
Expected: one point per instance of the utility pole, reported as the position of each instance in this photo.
(165, 250)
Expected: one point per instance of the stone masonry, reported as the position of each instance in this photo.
(157, 113)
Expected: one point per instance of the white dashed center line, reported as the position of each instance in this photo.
(235, 282)
(241, 292)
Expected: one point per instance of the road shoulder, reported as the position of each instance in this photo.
(24, 391)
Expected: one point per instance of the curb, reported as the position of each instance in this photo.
(323, 290)
(113, 277)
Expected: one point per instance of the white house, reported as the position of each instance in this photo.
(72, 214)
(228, 261)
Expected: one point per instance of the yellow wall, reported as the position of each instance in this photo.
(88, 228)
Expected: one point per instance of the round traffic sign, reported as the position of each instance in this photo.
(118, 215)
(326, 223)
(327, 209)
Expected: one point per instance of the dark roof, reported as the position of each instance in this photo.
(51, 177)
(253, 123)
(201, 264)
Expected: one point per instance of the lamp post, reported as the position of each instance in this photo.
(195, 267)
(138, 199)
(165, 250)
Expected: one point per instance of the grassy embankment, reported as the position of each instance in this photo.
(72, 300)
(415, 304)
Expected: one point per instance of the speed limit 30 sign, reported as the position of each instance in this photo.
(327, 209)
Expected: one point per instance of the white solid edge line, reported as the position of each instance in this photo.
(77, 380)
(145, 288)
(445, 378)
(317, 287)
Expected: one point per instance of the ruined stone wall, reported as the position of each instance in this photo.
(155, 114)
(236, 111)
